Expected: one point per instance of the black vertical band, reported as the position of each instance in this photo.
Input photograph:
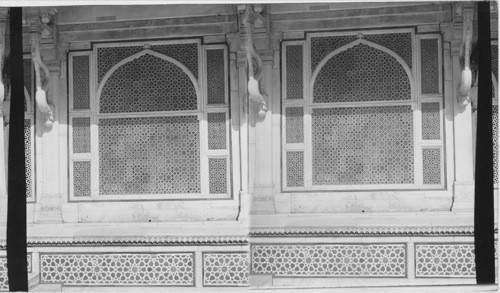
(16, 209)
(483, 211)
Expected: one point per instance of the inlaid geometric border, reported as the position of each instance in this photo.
(226, 269)
(118, 269)
(329, 260)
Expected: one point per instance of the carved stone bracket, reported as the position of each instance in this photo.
(466, 11)
(41, 22)
(252, 16)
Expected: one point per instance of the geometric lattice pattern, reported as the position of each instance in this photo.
(445, 260)
(364, 145)
(166, 269)
(361, 73)
(216, 81)
(294, 124)
(81, 135)
(429, 66)
(81, 179)
(294, 72)
(226, 269)
(149, 155)
(217, 173)
(399, 43)
(29, 260)
(81, 82)
(28, 80)
(4, 279)
(28, 172)
(187, 54)
(148, 84)
(216, 131)
(330, 260)
(494, 114)
(295, 169)
(431, 165)
(431, 124)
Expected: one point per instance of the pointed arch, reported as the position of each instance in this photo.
(346, 47)
(118, 65)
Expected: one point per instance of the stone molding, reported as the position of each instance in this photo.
(364, 231)
(132, 240)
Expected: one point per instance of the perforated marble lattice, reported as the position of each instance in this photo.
(149, 155)
(216, 78)
(445, 260)
(186, 54)
(294, 124)
(4, 279)
(429, 66)
(148, 84)
(399, 43)
(431, 165)
(361, 73)
(217, 173)
(27, 158)
(81, 82)
(367, 145)
(81, 135)
(294, 72)
(216, 131)
(166, 269)
(226, 269)
(295, 169)
(81, 179)
(494, 114)
(328, 260)
(27, 76)
(431, 123)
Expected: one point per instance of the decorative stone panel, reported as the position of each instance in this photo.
(330, 260)
(4, 281)
(165, 269)
(226, 269)
(444, 260)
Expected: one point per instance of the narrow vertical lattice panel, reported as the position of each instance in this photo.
(429, 65)
(217, 175)
(216, 131)
(166, 269)
(27, 158)
(294, 72)
(295, 169)
(149, 155)
(431, 165)
(445, 260)
(330, 260)
(226, 269)
(495, 142)
(28, 80)
(81, 82)
(294, 125)
(494, 60)
(431, 123)
(81, 135)
(29, 261)
(368, 145)
(216, 80)
(81, 179)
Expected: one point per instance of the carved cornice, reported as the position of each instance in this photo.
(133, 240)
(363, 231)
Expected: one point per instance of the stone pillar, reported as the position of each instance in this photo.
(3, 162)
(463, 185)
(42, 28)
